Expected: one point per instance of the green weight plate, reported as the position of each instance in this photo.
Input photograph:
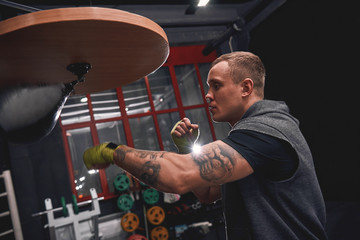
(121, 182)
(75, 206)
(64, 209)
(125, 202)
(151, 196)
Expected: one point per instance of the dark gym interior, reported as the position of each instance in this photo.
(309, 49)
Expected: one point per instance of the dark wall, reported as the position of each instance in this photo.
(309, 49)
(39, 171)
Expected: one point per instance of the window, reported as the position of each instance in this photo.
(140, 114)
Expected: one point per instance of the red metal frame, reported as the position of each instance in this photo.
(178, 56)
(154, 115)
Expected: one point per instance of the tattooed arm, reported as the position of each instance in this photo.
(161, 170)
(218, 163)
(202, 173)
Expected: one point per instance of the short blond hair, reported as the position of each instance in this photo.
(245, 65)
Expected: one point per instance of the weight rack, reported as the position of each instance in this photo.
(69, 224)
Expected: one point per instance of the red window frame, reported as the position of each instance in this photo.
(179, 55)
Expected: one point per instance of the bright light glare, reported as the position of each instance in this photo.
(196, 149)
(83, 100)
(93, 171)
(202, 3)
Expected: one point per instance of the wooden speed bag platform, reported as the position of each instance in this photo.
(121, 47)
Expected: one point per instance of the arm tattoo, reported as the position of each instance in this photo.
(122, 153)
(145, 154)
(149, 171)
(215, 164)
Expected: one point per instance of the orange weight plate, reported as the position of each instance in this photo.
(155, 215)
(159, 233)
(130, 222)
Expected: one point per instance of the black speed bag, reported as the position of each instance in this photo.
(29, 113)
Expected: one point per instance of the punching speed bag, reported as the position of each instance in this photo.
(28, 113)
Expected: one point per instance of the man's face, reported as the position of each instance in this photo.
(224, 96)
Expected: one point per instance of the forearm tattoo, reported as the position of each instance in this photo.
(215, 164)
(121, 153)
(149, 171)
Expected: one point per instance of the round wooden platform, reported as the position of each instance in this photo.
(120, 46)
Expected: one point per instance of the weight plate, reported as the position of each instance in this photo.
(159, 233)
(151, 196)
(155, 215)
(137, 237)
(125, 202)
(129, 222)
(121, 182)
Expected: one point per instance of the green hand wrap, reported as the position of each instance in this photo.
(99, 155)
(185, 143)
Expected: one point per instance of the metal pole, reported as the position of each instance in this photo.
(15, 219)
(146, 224)
(18, 6)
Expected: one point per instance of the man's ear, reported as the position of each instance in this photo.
(247, 86)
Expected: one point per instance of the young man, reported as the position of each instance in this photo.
(263, 171)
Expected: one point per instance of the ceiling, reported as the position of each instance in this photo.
(15, 7)
(121, 2)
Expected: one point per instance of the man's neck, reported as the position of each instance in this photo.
(247, 105)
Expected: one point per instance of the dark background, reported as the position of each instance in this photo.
(309, 49)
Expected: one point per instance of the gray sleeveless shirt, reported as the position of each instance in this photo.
(258, 208)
